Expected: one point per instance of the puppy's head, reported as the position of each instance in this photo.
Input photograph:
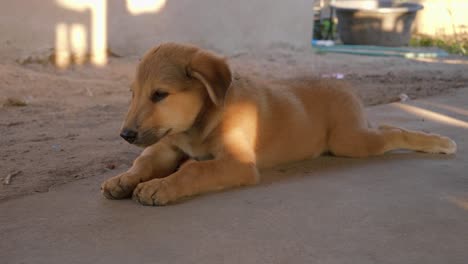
(174, 83)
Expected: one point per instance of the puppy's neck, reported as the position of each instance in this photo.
(195, 141)
(206, 122)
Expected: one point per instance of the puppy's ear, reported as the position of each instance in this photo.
(213, 72)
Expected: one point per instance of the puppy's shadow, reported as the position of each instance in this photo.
(325, 165)
(328, 166)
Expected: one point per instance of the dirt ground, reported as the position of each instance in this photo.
(58, 126)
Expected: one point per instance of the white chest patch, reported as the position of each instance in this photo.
(193, 147)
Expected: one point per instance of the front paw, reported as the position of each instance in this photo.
(154, 192)
(119, 187)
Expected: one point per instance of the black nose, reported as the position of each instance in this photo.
(129, 135)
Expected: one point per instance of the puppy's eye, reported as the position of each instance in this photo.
(158, 96)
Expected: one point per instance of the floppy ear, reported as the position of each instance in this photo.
(213, 72)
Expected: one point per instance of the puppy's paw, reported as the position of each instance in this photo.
(154, 192)
(119, 187)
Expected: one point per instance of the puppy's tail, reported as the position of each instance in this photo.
(400, 138)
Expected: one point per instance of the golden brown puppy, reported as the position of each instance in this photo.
(187, 104)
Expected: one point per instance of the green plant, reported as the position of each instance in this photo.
(452, 45)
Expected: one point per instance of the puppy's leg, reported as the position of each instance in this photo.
(196, 178)
(365, 142)
(156, 161)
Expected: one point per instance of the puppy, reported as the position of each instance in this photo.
(187, 104)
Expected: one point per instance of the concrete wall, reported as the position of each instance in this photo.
(30, 26)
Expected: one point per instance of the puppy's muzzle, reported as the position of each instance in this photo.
(129, 135)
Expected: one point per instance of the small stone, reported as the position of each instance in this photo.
(110, 166)
(403, 97)
(12, 102)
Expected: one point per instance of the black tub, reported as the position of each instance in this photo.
(370, 23)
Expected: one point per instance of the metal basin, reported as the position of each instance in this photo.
(375, 23)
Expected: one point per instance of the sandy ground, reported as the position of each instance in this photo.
(68, 127)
